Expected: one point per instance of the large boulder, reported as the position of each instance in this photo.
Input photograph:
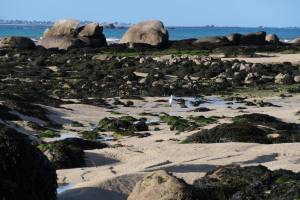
(258, 38)
(17, 42)
(148, 32)
(92, 30)
(161, 186)
(61, 42)
(211, 41)
(92, 35)
(272, 38)
(62, 27)
(25, 173)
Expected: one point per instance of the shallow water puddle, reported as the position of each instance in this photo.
(196, 102)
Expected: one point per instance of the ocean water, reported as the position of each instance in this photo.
(176, 33)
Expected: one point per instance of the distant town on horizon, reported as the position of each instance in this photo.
(111, 24)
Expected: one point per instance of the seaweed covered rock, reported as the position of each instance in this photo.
(122, 124)
(181, 124)
(69, 153)
(25, 173)
(148, 32)
(265, 120)
(233, 132)
(161, 186)
(255, 182)
(250, 128)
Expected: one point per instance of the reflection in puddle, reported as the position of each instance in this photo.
(64, 188)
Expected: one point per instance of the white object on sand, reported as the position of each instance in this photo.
(172, 98)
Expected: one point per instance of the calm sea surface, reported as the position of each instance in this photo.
(176, 33)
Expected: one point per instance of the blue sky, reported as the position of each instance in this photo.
(250, 13)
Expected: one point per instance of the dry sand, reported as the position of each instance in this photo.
(271, 58)
(114, 171)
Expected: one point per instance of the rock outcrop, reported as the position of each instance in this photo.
(65, 35)
(17, 42)
(148, 32)
(25, 173)
(161, 186)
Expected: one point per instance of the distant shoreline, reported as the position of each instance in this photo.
(170, 27)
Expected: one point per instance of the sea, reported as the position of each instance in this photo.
(176, 33)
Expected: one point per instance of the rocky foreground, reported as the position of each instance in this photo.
(99, 118)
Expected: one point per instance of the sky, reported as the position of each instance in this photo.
(244, 13)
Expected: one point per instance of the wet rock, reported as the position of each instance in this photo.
(161, 186)
(148, 32)
(25, 173)
(17, 42)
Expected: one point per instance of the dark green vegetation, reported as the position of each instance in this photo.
(251, 128)
(257, 183)
(180, 124)
(49, 134)
(125, 125)
(25, 173)
(69, 153)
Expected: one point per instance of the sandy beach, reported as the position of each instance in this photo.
(133, 157)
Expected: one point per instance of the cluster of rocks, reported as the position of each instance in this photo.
(259, 38)
(45, 76)
(67, 34)
(223, 183)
